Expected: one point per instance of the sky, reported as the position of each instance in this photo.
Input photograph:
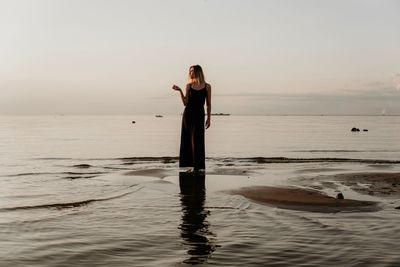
(262, 57)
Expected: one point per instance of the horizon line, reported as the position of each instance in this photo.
(229, 114)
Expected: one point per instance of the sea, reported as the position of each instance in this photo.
(107, 191)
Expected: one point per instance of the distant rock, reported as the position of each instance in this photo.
(340, 196)
(159, 116)
(365, 130)
(133, 121)
(354, 129)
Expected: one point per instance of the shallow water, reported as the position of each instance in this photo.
(66, 200)
(123, 220)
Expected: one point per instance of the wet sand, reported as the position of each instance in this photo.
(377, 184)
(302, 199)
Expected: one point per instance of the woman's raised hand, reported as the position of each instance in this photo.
(175, 87)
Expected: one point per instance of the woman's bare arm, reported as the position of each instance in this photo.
(184, 97)
(208, 102)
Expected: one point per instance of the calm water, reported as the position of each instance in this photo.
(65, 198)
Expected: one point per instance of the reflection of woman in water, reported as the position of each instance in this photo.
(194, 226)
(198, 92)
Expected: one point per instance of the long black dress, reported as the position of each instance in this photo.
(192, 151)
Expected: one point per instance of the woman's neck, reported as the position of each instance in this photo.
(197, 83)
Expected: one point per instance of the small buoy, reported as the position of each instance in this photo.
(340, 196)
(133, 121)
(365, 130)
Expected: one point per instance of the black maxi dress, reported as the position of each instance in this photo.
(192, 150)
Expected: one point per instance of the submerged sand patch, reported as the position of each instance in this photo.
(159, 173)
(383, 184)
(376, 183)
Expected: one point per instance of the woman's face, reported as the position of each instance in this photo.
(191, 73)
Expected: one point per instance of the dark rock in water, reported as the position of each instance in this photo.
(133, 121)
(340, 196)
(79, 177)
(365, 130)
(354, 129)
(83, 166)
(397, 208)
(220, 114)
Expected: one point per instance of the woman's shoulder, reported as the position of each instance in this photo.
(208, 86)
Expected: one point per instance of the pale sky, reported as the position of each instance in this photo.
(260, 56)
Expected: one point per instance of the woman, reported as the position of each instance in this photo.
(198, 92)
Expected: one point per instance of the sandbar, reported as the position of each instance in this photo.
(302, 199)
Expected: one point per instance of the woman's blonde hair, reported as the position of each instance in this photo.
(198, 75)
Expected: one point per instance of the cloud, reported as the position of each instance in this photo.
(349, 102)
